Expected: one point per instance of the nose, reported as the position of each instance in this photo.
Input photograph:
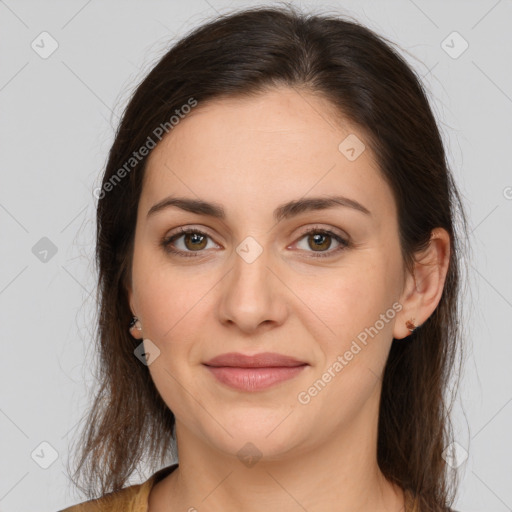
(252, 296)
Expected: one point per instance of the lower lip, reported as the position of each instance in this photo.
(254, 379)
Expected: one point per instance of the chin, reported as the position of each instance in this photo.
(258, 434)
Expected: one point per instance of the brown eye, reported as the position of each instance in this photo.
(192, 241)
(320, 241)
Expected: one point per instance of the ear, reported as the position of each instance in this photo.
(422, 291)
(129, 293)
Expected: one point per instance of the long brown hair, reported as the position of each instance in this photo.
(368, 83)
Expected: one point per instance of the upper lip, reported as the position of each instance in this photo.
(262, 360)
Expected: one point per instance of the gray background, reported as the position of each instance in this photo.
(58, 116)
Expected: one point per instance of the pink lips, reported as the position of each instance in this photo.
(253, 373)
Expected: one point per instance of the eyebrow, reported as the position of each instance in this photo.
(284, 211)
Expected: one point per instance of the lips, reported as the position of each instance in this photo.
(262, 360)
(254, 373)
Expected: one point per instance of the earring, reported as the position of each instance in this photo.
(410, 326)
(135, 323)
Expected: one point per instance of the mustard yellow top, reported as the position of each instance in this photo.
(129, 499)
(135, 497)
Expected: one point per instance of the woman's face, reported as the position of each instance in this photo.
(254, 281)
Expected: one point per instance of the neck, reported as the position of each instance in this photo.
(339, 475)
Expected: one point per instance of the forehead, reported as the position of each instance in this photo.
(280, 144)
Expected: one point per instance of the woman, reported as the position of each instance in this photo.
(278, 278)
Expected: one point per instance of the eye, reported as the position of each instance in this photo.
(193, 241)
(321, 239)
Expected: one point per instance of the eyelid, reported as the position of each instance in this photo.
(314, 228)
(187, 229)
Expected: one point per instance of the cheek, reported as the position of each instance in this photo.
(349, 301)
(171, 301)
(357, 307)
(167, 294)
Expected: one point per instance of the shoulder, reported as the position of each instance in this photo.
(122, 500)
(129, 499)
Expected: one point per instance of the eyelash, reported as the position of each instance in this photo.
(167, 241)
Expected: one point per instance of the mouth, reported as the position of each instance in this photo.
(254, 373)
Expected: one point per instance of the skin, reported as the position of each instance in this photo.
(251, 155)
